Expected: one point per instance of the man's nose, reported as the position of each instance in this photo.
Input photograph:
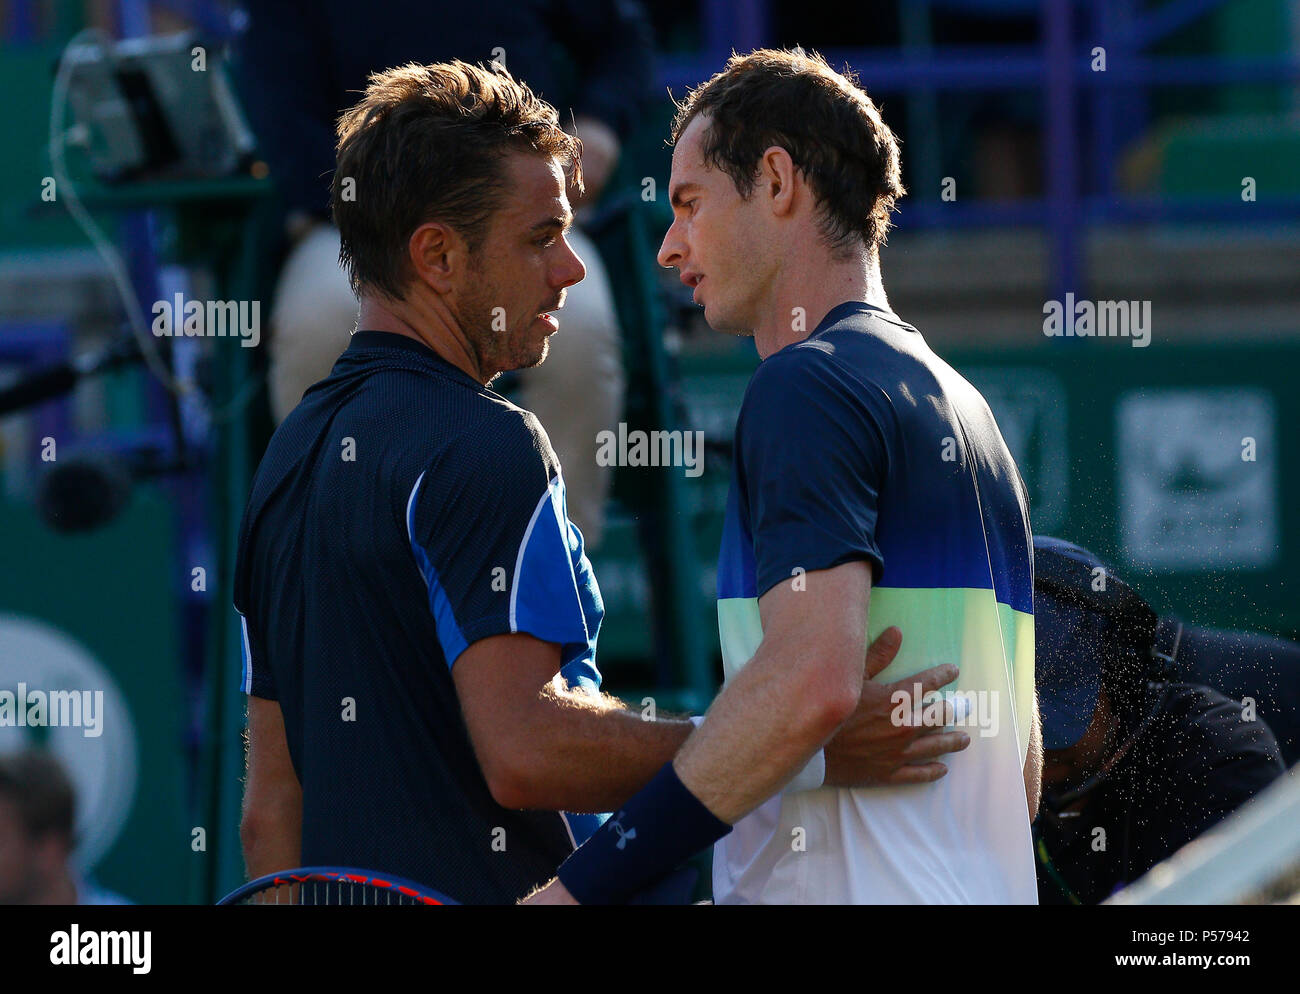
(670, 252)
(573, 270)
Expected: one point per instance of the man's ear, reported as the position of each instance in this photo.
(439, 256)
(776, 179)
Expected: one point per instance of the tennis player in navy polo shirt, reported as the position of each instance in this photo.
(419, 618)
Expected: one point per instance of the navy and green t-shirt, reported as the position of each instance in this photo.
(860, 444)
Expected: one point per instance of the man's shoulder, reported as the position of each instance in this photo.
(1197, 705)
(1199, 759)
(500, 437)
(861, 348)
(416, 403)
(381, 437)
(826, 366)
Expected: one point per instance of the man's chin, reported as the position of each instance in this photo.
(533, 357)
(727, 324)
(541, 353)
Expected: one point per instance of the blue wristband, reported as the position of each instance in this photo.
(656, 830)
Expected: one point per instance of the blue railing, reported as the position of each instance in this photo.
(1060, 67)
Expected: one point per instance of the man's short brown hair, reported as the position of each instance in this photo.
(824, 119)
(428, 143)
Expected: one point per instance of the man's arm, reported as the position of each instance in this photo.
(543, 745)
(1206, 762)
(803, 682)
(1034, 762)
(271, 827)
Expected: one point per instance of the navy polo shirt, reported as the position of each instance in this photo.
(402, 512)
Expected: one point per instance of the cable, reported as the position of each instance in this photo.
(106, 249)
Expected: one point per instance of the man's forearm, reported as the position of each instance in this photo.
(803, 682)
(592, 753)
(271, 825)
(271, 838)
(761, 731)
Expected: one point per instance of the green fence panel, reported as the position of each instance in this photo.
(1173, 462)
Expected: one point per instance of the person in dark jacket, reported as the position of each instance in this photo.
(1136, 762)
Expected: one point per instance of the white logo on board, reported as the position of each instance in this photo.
(1188, 497)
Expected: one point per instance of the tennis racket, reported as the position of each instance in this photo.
(334, 885)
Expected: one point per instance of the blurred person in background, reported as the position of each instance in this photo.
(1136, 762)
(303, 64)
(37, 815)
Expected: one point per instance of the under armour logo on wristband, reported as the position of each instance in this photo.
(623, 836)
(606, 870)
